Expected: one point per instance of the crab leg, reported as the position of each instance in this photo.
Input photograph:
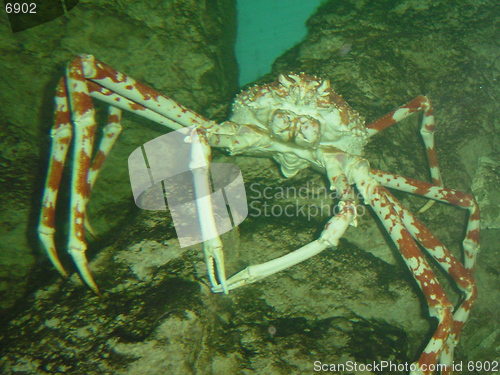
(83, 117)
(61, 134)
(84, 175)
(439, 305)
(110, 134)
(108, 96)
(452, 266)
(119, 91)
(442, 194)
(212, 245)
(463, 275)
(420, 103)
(139, 93)
(333, 231)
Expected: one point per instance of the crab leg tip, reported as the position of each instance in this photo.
(47, 241)
(426, 206)
(58, 265)
(84, 270)
(60, 269)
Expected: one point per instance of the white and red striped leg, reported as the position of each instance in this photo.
(125, 92)
(442, 194)
(420, 103)
(86, 78)
(110, 134)
(439, 305)
(461, 274)
(61, 135)
(83, 118)
(452, 266)
(73, 87)
(117, 89)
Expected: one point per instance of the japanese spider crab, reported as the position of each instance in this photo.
(299, 121)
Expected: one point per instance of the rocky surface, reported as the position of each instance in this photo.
(357, 302)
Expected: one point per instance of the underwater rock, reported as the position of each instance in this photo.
(158, 315)
(485, 188)
(357, 302)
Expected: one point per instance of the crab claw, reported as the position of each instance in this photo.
(214, 258)
(212, 245)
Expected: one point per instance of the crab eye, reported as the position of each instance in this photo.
(307, 131)
(304, 130)
(282, 124)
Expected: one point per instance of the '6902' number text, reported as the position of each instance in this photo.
(20, 8)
